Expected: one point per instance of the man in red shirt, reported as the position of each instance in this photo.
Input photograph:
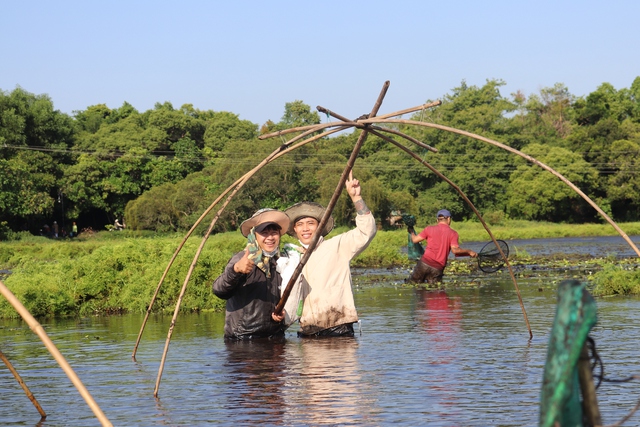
(441, 239)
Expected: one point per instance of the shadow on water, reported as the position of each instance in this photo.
(454, 357)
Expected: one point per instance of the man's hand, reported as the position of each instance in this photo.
(244, 265)
(353, 187)
(278, 317)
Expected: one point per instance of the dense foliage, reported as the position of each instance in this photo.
(162, 168)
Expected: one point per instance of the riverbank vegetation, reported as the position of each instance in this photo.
(117, 272)
(161, 168)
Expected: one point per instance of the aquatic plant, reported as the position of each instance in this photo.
(616, 279)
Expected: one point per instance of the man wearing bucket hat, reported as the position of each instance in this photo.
(250, 282)
(328, 308)
(441, 239)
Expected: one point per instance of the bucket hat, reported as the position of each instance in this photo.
(307, 210)
(263, 218)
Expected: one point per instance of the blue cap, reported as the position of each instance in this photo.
(443, 212)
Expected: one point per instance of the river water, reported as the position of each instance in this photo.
(460, 357)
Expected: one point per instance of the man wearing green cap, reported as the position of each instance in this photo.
(441, 239)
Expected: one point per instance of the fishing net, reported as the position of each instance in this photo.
(409, 220)
(414, 250)
(490, 259)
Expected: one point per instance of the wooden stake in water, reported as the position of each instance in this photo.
(18, 378)
(39, 330)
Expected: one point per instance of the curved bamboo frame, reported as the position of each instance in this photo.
(366, 124)
(281, 151)
(238, 185)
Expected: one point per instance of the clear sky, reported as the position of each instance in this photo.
(252, 57)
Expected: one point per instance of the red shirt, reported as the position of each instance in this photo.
(440, 238)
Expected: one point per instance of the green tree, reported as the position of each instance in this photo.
(478, 168)
(224, 127)
(536, 194)
(296, 114)
(35, 140)
(546, 118)
(623, 186)
(153, 210)
(91, 119)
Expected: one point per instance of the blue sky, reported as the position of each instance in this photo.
(252, 57)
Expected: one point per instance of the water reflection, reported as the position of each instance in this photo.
(325, 382)
(255, 381)
(283, 382)
(440, 317)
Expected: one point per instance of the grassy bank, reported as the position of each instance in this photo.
(114, 272)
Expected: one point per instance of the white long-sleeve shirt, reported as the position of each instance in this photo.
(330, 300)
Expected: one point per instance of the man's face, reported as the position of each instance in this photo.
(268, 239)
(304, 228)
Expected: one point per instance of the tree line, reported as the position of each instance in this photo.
(160, 169)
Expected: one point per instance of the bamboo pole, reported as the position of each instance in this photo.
(306, 130)
(407, 137)
(18, 378)
(39, 330)
(331, 205)
(523, 155)
(392, 131)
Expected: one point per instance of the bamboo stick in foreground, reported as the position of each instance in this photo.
(39, 330)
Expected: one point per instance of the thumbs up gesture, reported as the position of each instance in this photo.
(245, 264)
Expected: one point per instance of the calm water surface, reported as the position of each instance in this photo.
(455, 358)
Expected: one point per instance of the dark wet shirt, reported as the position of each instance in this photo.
(251, 298)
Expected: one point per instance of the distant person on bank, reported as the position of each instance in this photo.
(328, 307)
(250, 282)
(441, 239)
